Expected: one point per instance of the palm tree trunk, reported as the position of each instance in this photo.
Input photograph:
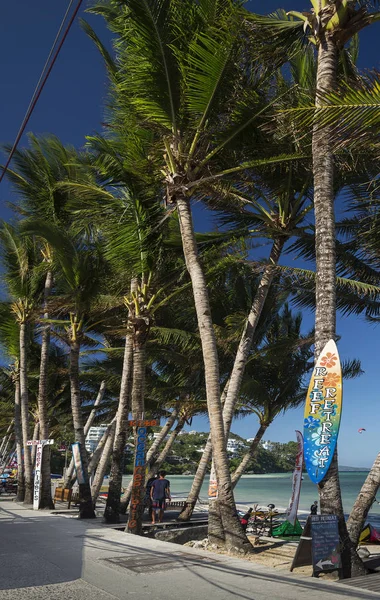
(363, 502)
(70, 470)
(250, 454)
(6, 438)
(24, 396)
(245, 344)
(242, 354)
(199, 476)
(138, 388)
(86, 510)
(46, 500)
(103, 464)
(19, 443)
(36, 433)
(150, 457)
(233, 531)
(325, 314)
(97, 454)
(166, 449)
(112, 510)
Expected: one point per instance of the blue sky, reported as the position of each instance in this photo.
(72, 105)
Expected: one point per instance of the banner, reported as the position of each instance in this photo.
(37, 469)
(323, 412)
(291, 513)
(82, 476)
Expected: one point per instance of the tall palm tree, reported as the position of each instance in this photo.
(80, 270)
(329, 26)
(186, 91)
(34, 175)
(10, 344)
(24, 287)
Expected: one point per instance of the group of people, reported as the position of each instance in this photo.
(156, 495)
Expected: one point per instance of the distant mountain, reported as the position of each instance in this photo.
(343, 468)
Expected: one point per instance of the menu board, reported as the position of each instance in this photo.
(325, 544)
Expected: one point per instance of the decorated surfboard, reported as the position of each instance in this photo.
(322, 412)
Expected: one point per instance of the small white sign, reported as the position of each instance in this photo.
(36, 442)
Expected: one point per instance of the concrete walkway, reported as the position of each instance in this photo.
(45, 556)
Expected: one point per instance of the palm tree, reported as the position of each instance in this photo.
(10, 344)
(24, 286)
(35, 174)
(275, 378)
(194, 138)
(79, 271)
(330, 25)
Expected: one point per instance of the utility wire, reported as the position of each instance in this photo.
(43, 79)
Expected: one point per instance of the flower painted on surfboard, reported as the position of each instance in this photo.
(331, 380)
(329, 360)
(310, 422)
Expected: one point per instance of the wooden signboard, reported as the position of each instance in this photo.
(319, 545)
(322, 412)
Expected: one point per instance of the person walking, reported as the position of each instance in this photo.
(314, 508)
(159, 493)
(148, 500)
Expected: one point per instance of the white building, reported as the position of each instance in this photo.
(267, 445)
(94, 436)
(234, 445)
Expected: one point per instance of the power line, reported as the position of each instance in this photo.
(43, 79)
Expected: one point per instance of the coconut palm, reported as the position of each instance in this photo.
(10, 344)
(329, 26)
(80, 271)
(24, 287)
(34, 175)
(185, 89)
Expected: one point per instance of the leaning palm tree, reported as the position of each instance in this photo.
(184, 89)
(275, 376)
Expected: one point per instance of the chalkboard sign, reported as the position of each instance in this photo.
(325, 543)
(319, 545)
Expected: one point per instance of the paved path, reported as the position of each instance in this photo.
(51, 557)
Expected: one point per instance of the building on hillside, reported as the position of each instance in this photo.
(234, 445)
(267, 445)
(94, 436)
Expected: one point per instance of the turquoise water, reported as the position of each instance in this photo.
(276, 489)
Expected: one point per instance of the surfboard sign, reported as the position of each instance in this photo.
(323, 410)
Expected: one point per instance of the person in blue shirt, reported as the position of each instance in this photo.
(159, 493)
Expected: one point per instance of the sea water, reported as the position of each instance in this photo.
(275, 488)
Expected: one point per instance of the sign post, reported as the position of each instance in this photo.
(37, 470)
(291, 513)
(138, 474)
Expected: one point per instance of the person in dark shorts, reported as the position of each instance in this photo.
(148, 500)
(159, 493)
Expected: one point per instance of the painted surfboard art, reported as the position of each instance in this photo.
(323, 412)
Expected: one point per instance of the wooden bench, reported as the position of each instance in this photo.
(66, 495)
